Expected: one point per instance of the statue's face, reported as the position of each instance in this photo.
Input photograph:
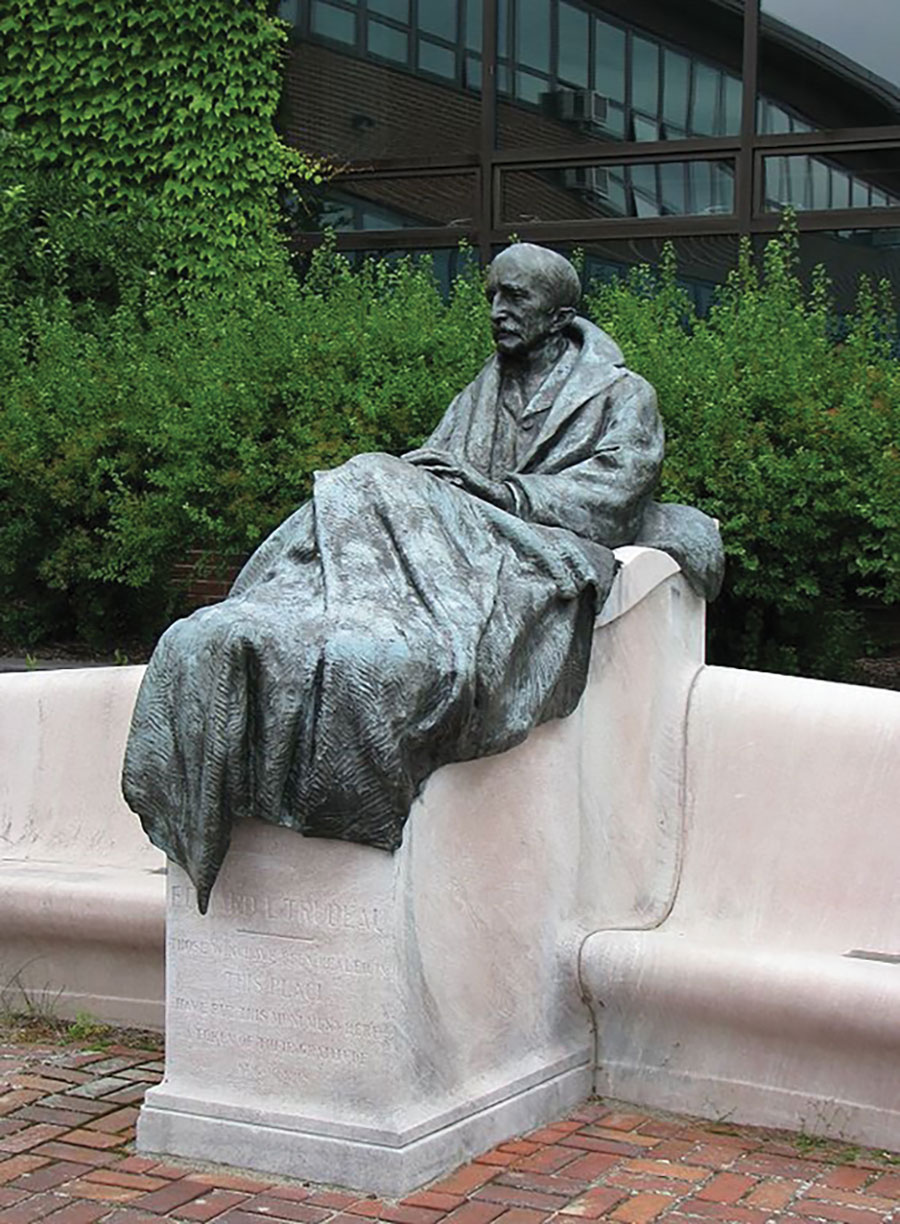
(523, 312)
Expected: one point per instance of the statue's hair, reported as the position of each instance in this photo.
(554, 270)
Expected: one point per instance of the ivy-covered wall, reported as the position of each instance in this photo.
(162, 107)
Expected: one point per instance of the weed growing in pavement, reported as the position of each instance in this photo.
(87, 1028)
(36, 1004)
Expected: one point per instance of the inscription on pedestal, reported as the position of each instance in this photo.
(279, 979)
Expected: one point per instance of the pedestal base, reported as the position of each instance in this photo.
(390, 1163)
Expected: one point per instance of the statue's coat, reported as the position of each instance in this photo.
(395, 623)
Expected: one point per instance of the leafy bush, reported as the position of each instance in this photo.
(162, 110)
(199, 423)
(60, 244)
(788, 438)
(152, 426)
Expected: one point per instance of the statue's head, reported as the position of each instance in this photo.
(533, 294)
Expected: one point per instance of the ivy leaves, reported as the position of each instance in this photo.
(167, 106)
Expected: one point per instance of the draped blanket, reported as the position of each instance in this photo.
(393, 624)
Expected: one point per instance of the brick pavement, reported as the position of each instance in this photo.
(67, 1155)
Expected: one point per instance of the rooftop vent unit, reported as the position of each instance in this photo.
(591, 181)
(584, 108)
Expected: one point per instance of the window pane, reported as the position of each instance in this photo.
(439, 60)
(398, 203)
(446, 262)
(847, 254)
(398, 9)
(530, 88)
(645, 129)
(705, 112)
(673, 187)
(533, 34)
(832, 65)
(675, 88)
(574, 45)
(473, 72)
(734, 94)
(840, 189)
(332, 22)
(503, 28)
(703, 263)
(643, 190)
(609, 60)
(438, 17)
(614, 126)
(474, 20)
(289, 10)
(645, 75)
(385, 40)
(870, 178)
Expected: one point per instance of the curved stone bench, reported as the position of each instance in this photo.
(82, 892)
(771, 991)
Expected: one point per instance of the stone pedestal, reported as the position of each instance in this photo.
(337, 1018)
(372, 1020)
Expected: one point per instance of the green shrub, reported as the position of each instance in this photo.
(789, 439)
(150, 426)
(199, 423)
(163, 110)
(60, 244)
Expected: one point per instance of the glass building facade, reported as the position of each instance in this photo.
(611, 124)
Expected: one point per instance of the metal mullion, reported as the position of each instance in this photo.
(489, 198)
(619, 227)
(844, 218)
(632, 149)
(862, 139)
(746, 186)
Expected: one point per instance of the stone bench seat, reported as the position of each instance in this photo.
(84, 939)
(770, 991)
(82, 892)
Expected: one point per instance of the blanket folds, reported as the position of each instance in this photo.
(396, 623)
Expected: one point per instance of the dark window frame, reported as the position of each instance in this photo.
(747, 148)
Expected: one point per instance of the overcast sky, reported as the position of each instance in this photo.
(867, 31)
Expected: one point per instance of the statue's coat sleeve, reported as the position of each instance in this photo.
(594, 463)
(601, 496)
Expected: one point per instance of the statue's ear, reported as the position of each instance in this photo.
(563, 317)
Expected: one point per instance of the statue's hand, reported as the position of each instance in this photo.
(436, 461)
(455, 472)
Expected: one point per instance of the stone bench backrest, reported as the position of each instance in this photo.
(63, 735)
(793, 793)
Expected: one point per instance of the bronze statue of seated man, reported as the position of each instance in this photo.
(417, 610)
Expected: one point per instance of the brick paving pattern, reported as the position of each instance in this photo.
(67, 1155)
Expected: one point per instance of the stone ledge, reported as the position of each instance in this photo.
(742, 1001)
